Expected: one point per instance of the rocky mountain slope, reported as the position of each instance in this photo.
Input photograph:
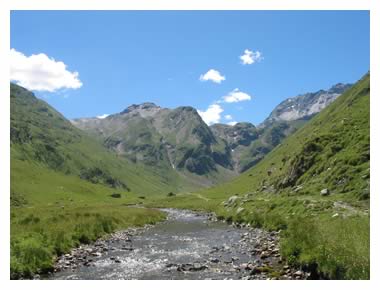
(173, 140)
(306, 105)
(249, 144)
(178, 139)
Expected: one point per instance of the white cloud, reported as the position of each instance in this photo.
(38, 72)
(212, 115)
(236, 96)
(212, 75)
(228, 117)
(102, 116)
(250, 57)
(232, 123)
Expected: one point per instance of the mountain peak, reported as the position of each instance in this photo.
(339, 88)
(306, 105)
(142, 106)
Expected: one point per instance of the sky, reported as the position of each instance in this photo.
(232, 66)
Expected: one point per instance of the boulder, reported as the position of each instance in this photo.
(325, 192)
(231, 201)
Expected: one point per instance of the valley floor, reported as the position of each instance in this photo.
(319, 234)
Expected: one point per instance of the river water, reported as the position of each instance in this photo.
(186, 246)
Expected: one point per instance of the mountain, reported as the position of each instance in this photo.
(306, 105)
(170, 139)
(42, 140)
(249, 144)
(178, 139)
(315, 186)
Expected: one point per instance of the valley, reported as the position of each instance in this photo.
(302, 174)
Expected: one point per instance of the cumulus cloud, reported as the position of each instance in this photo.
(232, 123)
(212, 75)
(212, 115)
(228, 117)
(236, 96)
(39, 72)
(102, 116)
(250, 57)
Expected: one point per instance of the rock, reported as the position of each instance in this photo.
(298, 273)
(191, 267)
(239, 210)
(197, 267)
(264, 255)
(255, 270)
(170, 265)
(325, 192)
(214, 260)
(335, 215)
(297, 188)
(96, 254)
(232, 200)
(117, 261)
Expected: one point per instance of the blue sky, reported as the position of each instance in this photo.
(128, 57)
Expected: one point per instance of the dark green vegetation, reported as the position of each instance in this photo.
(327, 233)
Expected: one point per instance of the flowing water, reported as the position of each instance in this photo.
(186, 246)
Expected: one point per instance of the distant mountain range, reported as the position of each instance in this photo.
(178, 139)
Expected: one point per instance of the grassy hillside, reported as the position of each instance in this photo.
(330, 155)
(39, 134)
(61, 186)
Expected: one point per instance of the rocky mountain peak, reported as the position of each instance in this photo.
(339, 88)
(306, 105)
(142, 106)
(146, 109)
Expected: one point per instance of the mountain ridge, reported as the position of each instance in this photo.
(230, 149)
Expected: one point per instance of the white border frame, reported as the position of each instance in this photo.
(374, 8)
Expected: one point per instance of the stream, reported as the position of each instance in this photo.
(186, 246)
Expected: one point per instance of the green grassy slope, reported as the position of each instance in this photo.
(40, 135)
(330, 233)
(61, 186)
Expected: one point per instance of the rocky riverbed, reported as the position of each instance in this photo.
(187, 246)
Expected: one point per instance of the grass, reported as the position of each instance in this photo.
(340, 247)
(38, 234)
(52, 212)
